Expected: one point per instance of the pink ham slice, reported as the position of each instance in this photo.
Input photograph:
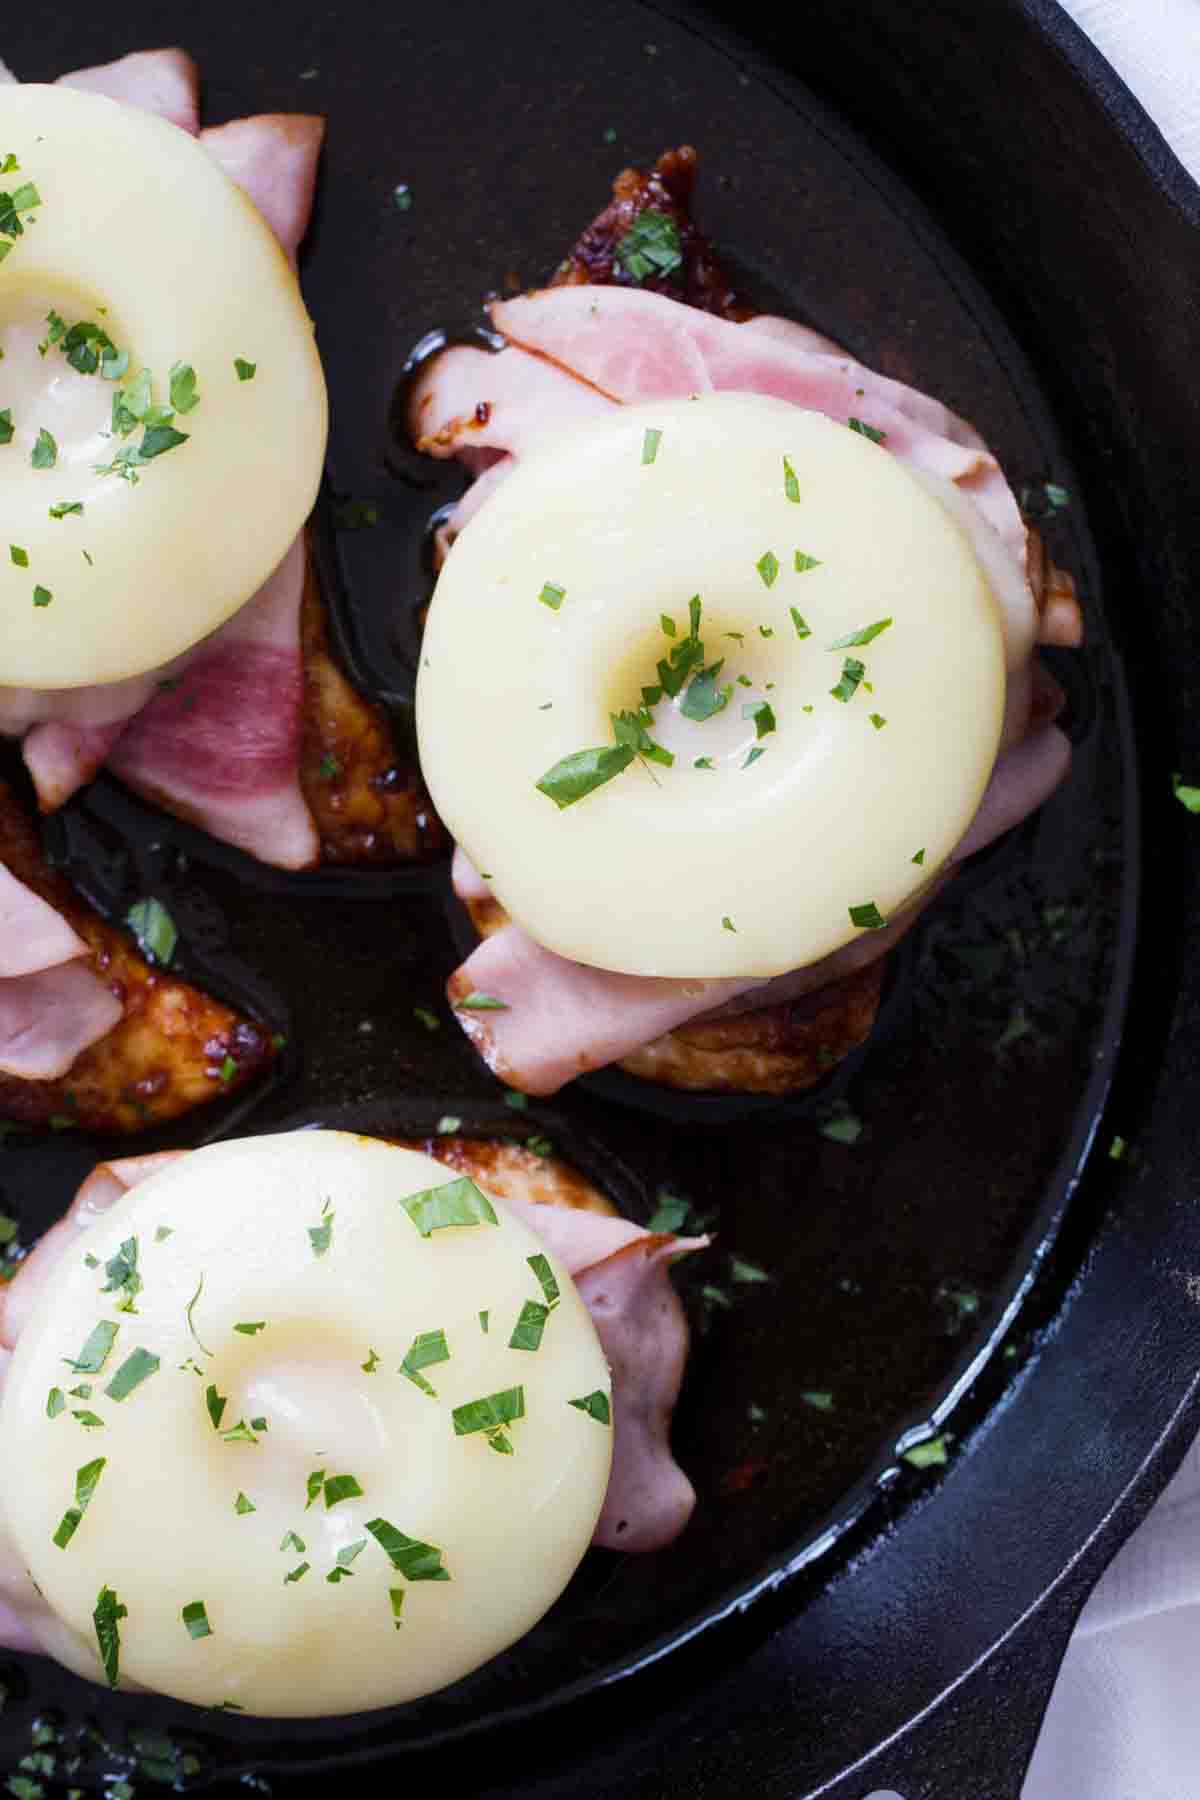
(51, 1005)
(579, 343)
(215, 735)
(621, 1272)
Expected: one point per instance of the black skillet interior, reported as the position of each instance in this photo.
(910, 1271)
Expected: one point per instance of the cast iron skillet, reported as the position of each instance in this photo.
(834, 1622)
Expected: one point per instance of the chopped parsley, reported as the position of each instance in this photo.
(396, 1596)
(864, 635)
(842, 1126)
(867, 917)
(291, 1540)
(216, 1403)
(791, 485)
(727, 924)
(313, 1486)
(650, 441)
(195, 1617)
(651, 247)
(1187, 796)
(768, 568)
(96, 1350)
(6, 426)
(546, 1280)
(42, 596)
(86, 1480)
(477, 1002)
(345, 1556)
(246, 371)
(802, 628)
(704, 762)
(448, 1124)
(596, 1405)
(763, 715)
(409, 1556)
(802, 563)
(154, 929)
(428, 1019)
(493, 1415)
(741, 1270)
(878, 721)
(531, 1323)
(455, 1203)
(339, 1488)
(297, 1574)
(123, 1277)
(371, 1364)
(138, 1366)
(919, 858)
(243, 1505)
(704, 699)
(552, 595)
(251, 1327)
(852, 674)
(106, 1618)
(867, 431)
(89, 1420)
(753, 755)
(581, 773)
(65, 508)
(932, 1454)
(321, 1236)
(819, 1399)
(18, 556)
(426, 1349)
(182, 381)
(56, 1403)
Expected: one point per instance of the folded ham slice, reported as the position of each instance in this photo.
(622, 1274)
(214, 736)
(571, 351)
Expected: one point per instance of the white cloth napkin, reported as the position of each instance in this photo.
(1124, 1720)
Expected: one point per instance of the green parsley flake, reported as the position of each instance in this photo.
(89, 1420)
(768, 567)
(65, 508)
(763, 715)
(45, 451)
(242, 1505)
(19, 557)
(753, 755)
(345, 1556)
(842, 1126)
(704, 699)
(106, 1618)
(919, 858)
(852, 674)
(546, 1280)
(426, 1349)
(802, 629)
(251, 1327)
(727, 924)
(492, 1415)
(531, 1323)
(552, 595)
(6, 426)
(791, 485)
(339, 1488)
(409, 1556)
(1186, 796)
(448, 1124)
(668, 625)
(138, 1366)
(704, 762)
(864, 635)
(42, 596)
(932, 1454)
(596, 1405)
(428, 1019)
(878, 721)
(246, 371)
(183, 387)
(867, 431)
(96, 1350)
(455, 1203)
(86, 1480)
(518, 1101)
(484, 1317)
(321, 1236)
(744, 1271)
(314, 1485)
(651, 247)
(216, 1403)
(802, 563)
(371, 1364)
(581, 773)
(291, 1540)
(819, 1399)
(477, 1002)
(297, 1574)
(123, 1277)
(56, 1403)
(650, 442)
(867, 917)
(154, 929)
(195, 1617)
(396, 1596)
